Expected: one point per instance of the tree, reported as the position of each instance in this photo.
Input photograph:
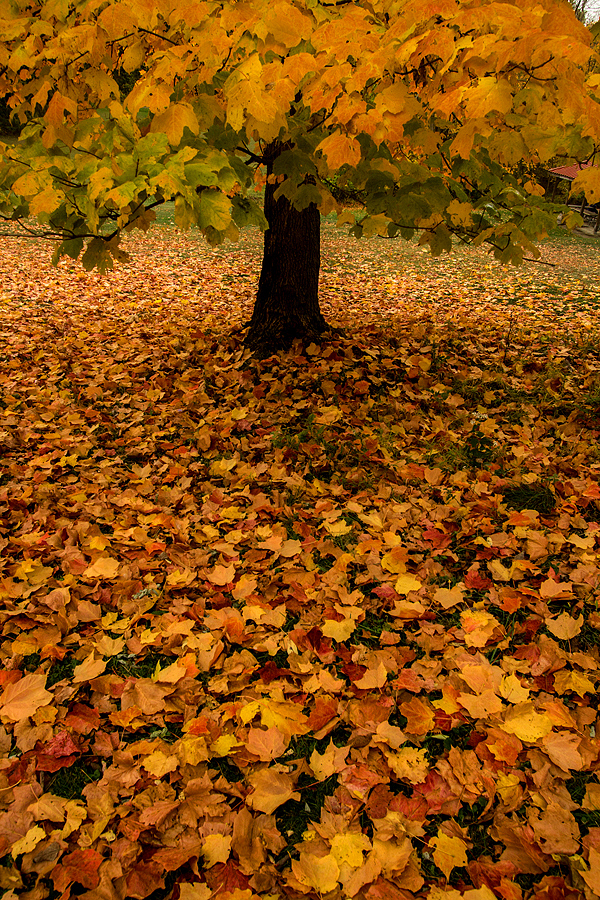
(423, 106)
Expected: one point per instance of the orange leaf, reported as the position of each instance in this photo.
(88, 669)
(24, 698)
(222, 575)
(272, 788)
(266, 744)
(104, 567)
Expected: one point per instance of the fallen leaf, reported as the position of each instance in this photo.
(24, 698)
(449, 852)
(103, 567)
(319, 873)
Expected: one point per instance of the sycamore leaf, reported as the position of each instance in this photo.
(340, 149)
(339, 631)
(588, 182)
(266, 744)
(409, 763)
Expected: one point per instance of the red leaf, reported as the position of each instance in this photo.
(81, 867)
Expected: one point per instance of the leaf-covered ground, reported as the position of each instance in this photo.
(318, 626)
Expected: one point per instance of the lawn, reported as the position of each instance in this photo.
(322, 625)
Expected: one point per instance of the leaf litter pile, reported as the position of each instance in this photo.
(323, 625)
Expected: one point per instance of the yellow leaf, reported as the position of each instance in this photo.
(564, 626)
(407, 583)
(181, 577)
(478, 626)
(337, 528)
(174, 120)
(196, 891)
(88, 669)
(373, 678)
(287, 24)
(592, 875)
(588, 182)
(159, 763)
(328, 415)
(462, 146)
(481, 705)
(318, 872)
(549, 589)
(409, 763)
(24, 698)
(285, 715)
(449, 597)
(339, 631)
(170, 674)
(512, 689)
(489, 95)
(393, 854)
(216, 849)
(449, 852)
(45, 202)
(527, 724)
(394, 560)
(29, 842)
(460, 213)
(326, 764)
(245, 587)
(104, 567)
(575, 682)
(349, 848)
(224, 744)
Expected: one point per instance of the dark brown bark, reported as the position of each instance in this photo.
(287, 301)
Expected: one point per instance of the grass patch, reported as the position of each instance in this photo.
(536, 496)
(70, 781)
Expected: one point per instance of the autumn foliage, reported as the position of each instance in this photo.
(318, 627)
(434, 113)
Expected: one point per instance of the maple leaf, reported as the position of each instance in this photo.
(319, 873)
(24, 698)
(272, 788)
(449, 852)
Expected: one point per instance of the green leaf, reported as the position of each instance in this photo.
(70, 248)
(439, 240)
(214, 209)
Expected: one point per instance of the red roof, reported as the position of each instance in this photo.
(570, 172)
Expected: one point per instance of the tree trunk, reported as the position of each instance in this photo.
(287, 301)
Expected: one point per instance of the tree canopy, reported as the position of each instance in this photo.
(434, 110)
